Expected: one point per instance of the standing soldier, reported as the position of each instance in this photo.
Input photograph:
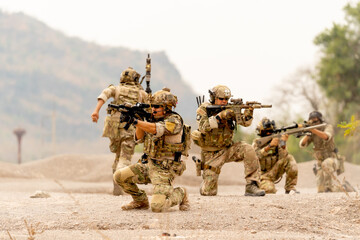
(121, 140)
(275, 160)
(214, 136)
(324, 153)
(161, 162)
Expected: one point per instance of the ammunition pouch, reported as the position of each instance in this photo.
(198, 138)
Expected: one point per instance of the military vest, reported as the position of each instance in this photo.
(218, 137)
(267, 162)
(162, 147)
(324, 148)
(124, 93)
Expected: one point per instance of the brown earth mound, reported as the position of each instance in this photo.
(97, 168)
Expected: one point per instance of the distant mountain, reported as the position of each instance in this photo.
(46, 76)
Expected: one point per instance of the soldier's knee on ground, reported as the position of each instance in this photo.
(159, 203)
(268, 186)
(250, 152)
(122, 174)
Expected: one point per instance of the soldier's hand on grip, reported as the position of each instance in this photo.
(284, 137)
(274, 142)
(226, 114)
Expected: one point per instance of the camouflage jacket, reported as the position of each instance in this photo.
(167, 140)
(268, 159)
(322, 148)
(216, 136)
(123, 93)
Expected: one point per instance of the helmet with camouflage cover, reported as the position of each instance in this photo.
(129, 75)
(219, 91)
(164, 98)
(265, 126)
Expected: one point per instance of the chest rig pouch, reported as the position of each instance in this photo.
(218, 137)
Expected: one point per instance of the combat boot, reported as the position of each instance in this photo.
(136, 205)
(252, 189)
(292, 191)
(185, 204)
(117, 191)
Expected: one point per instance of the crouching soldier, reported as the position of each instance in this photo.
(161, 162)
(275, 160)
(326, 155)
(214, 136)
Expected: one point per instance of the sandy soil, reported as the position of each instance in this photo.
(80, 206)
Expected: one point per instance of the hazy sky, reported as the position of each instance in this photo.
(248, 45)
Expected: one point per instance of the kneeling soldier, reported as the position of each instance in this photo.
(275, 160)
(161, 162)
(217, 148)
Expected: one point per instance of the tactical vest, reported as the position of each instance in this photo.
(157, 147)
(126, 93)
(323, 149)
(267, 162)
(218, 138)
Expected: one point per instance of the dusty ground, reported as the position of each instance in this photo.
(81, 206)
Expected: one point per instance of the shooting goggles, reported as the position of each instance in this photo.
(222, 99)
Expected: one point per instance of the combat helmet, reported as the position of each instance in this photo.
(265, 126)
(316, 114)
(129, 75)
(164, 98)
(219, 91)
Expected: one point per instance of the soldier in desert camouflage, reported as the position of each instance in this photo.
(275, 160)
(214, 136)
(121, 141)
(328, 161)
(161, 162)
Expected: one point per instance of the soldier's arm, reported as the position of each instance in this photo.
(95, 114)
(305, 141)
(142, 127)
(247, 117)
(327, 134)
(171, 125)
(205, 123)
(102, 98)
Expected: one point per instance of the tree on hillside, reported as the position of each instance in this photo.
(339, 66)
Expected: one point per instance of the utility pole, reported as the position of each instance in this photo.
(19, 132)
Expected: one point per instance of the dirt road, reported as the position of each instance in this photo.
(80, 206)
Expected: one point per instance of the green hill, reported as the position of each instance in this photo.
(43, 71)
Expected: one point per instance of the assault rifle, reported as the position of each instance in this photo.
(294, 129)
(236, 105)
(129, 112)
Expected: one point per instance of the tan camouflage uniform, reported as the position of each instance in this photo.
(324, 153)
(121, 141)
(220, 149)
(274, 164)
(161, 168)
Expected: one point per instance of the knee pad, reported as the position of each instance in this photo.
(268, 186)
(122, 174)
(158, 203)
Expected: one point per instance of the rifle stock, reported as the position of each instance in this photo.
(302, 130)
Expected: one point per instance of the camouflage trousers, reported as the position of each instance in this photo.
(123, 146)
(161, 176)
(239, 151)
(325, 174)
(285, 165)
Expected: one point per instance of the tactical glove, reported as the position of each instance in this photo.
(226, 114)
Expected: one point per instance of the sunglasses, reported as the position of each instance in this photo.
(222, 99)
(156, 106)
